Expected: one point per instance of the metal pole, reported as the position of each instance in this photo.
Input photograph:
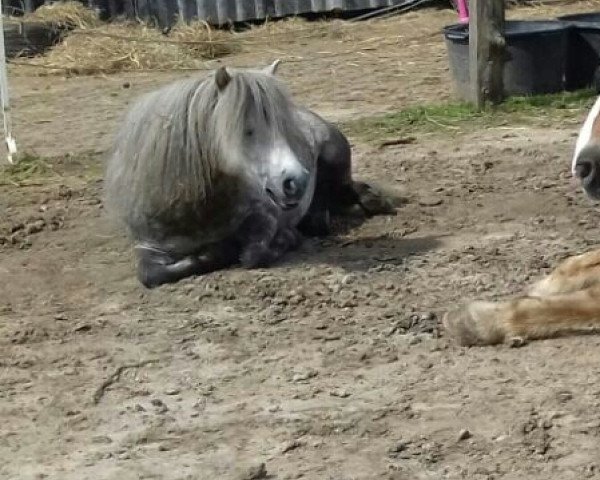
(4, 96)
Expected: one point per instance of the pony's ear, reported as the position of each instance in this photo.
(222, 78)
(272, 69)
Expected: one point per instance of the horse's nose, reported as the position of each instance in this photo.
(587, 170)
(587, 165)
(294, 186)
(584, 168)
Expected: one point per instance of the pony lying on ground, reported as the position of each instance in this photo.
(567, 300)
(207, 173)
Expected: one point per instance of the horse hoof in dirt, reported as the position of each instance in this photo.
(564, 302)
(209, 173)
(372, 200)
(474, 324)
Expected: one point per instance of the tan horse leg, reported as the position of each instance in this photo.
(567, 300)
(573, 274)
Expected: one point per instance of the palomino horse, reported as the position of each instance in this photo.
(206, 173)
(567, 300)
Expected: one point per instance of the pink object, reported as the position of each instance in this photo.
(463, 11)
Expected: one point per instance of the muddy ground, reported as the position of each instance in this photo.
(330, 365)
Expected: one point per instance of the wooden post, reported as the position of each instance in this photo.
(486, 51)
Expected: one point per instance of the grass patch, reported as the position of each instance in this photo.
(456, 118)
(27, 168)
(32, 169)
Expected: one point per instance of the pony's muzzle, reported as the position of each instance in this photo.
(587, 170)
(288, 189)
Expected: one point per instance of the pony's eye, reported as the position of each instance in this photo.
(249, 132)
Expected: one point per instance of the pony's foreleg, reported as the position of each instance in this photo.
(157, 268)
(336, 191)
(339, 197)
(317, 220)
(262, 239)
(525, 318)
(286, 240)
(255, 236)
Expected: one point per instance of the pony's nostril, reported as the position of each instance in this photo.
(290, 188)
(583, 169)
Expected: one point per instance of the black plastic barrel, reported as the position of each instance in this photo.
(583, 58)
(535, 56)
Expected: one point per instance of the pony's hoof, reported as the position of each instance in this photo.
(288, 239)
(256, 256)
(474, 325)
(154, 272)
(148, 278)
(151, 266)
(373, 201)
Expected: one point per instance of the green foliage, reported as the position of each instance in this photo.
(30, 168)
(26, 168)
(461, 117)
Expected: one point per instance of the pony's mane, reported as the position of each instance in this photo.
(175, 141)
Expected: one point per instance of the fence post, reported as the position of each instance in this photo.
(10, 142)
(486, 51)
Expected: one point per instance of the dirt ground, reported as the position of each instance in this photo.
(330, 365)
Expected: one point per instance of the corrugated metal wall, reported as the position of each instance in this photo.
(218, 12)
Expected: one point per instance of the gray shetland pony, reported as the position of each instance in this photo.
(207, 173)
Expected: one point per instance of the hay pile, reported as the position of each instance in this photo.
(67, 14)
(121, 47)
(95, 47)
(205, 42)
(298, 29)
